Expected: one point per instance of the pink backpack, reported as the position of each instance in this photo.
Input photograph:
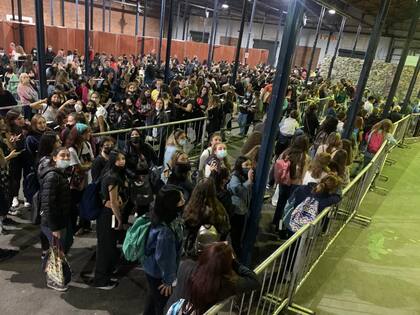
(375, 141)
(282, 172)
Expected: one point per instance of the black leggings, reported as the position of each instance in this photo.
(19, 164)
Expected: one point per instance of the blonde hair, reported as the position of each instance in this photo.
(384, 125)
(174, 136)
(319, 164)
(328, 184)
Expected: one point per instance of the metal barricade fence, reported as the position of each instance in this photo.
(156, 135)
(413, 130)
(284, 272)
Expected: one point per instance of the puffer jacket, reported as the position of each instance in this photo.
(55, 198)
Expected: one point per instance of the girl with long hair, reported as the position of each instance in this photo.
(214, 277)
(204, 209)
(240, 186)
(163, 248)
(110, 221)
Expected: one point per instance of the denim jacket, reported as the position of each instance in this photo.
(163, 253)
(241, 194)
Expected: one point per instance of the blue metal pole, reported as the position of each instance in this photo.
(318, 29)
(40, 41)
(87, 37)
(212, 34)
(169, 44)
(401, 63)
(238, 45)
(411, 86)
(367, 65)
(162, 20)
(294, 20)
(340, 35)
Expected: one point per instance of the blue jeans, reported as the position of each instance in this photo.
(242, 119)
(66, 239)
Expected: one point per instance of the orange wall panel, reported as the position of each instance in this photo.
(116, 44)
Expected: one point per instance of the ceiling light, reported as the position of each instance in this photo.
(331, 11)
(225, 6)
(207, 14)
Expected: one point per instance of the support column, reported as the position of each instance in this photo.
(340, 35)
(318, 29)
(87, 27)
(143, 33)
(212, 33)
(294, 20)
(186, 8)
(367, 65)
(411, 86)
(277, 43)
(91, 15)
(169, 43)
(40, 43)
(136, 27)
(251, 21)
(103, 15)
(77, 13)
(52, 12)
(162, 18)
(238, 46)
(328, 43)
(359, 29)
(62, 13)
(178, 13)
(21, 33)
(263, 26)
(390, 50)
(401, 63)
(13, 10)
(109, 15)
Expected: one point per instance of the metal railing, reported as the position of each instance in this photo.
(157, 135)
(284, 272)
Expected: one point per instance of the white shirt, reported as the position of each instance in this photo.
(288, 126)
(49, 113)
(368, 106)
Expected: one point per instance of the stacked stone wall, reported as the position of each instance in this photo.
(380, 78)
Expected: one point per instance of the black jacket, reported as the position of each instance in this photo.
(55, 198)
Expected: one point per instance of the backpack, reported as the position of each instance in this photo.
(374, 141)
(141, 192)
(134, 246)
(282, 172)
(91, 204)
(177, 308)
(303, 214)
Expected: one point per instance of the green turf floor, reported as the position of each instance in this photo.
(375, 270)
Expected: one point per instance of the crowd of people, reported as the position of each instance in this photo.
(198, 211)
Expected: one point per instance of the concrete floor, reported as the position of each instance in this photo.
(375, 270)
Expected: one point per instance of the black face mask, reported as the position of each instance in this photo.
(136, 140)
(182, 168)
(107, 150)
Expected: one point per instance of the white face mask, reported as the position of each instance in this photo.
(78, 108)
(63, 164)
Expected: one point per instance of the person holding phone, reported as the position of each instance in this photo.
(114, 194)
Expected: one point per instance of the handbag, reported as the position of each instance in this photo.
(57, 267)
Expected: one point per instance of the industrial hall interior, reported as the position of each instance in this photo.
(209, 157)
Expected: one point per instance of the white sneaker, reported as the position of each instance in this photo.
(13, 211)
(15, 202)
(27, 204)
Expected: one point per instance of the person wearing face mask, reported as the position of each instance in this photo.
(99, 163)
(49, 55)
(55, 201)
(49, 108)
(215, 138)
(180, 173)
(217, 159)
(175, 142)
(240, 186)
(114, 194)
(140, 155)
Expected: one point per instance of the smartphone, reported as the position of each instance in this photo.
(113, 222)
